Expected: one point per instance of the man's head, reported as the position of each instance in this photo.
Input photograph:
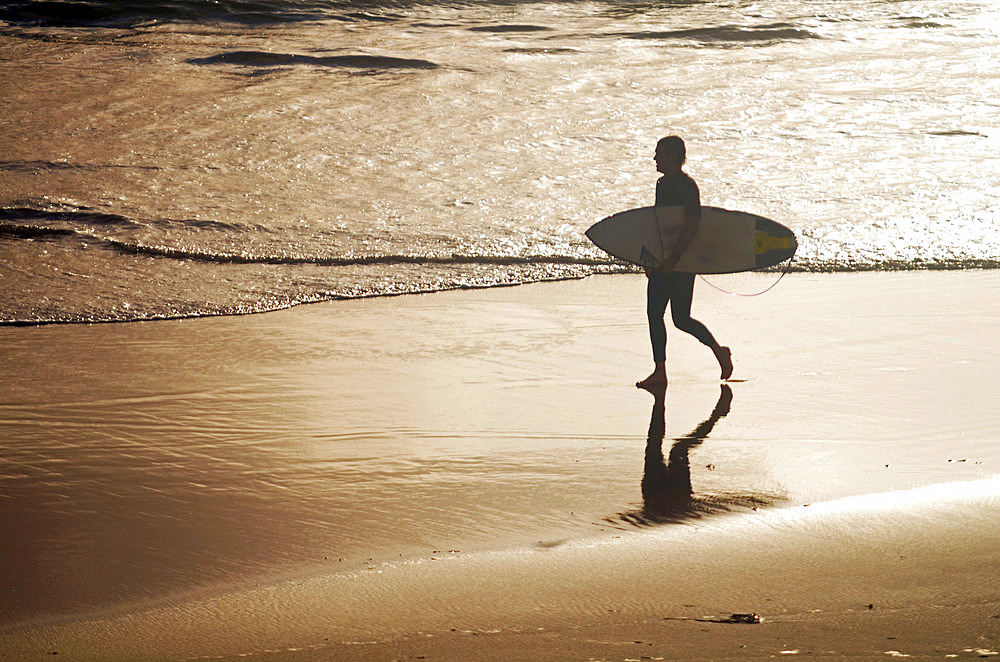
(670, 154)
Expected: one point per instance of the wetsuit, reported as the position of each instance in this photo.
(675, 287)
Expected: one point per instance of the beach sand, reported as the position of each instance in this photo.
(461, 476)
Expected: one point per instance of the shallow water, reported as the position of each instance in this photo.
(250, 157)
(146, 462)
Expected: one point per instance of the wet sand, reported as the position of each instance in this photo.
(472, 475)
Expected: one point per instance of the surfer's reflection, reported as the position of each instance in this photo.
(667, 494)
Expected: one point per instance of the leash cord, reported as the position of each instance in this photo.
(755, 294)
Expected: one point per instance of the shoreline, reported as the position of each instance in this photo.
(247, 455)
(618, 269)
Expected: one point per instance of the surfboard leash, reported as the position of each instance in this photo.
(770, 287)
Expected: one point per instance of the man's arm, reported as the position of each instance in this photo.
(688, 232)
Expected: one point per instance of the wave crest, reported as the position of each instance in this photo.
(267, 59)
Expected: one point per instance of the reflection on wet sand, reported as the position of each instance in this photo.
(667, 493)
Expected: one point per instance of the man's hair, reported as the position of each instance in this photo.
(673, 145)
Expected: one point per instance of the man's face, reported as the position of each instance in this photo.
(666, 161)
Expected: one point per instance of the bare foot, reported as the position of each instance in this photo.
(656, 381)
(725, 357)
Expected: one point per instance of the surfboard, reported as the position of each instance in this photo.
(727, 241)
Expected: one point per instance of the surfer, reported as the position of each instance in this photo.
(665, 285)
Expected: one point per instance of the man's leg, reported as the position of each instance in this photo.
(657, 296)
(681, 294)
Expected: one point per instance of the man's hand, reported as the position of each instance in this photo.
(667, 264)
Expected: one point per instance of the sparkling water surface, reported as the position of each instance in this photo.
(198, 162)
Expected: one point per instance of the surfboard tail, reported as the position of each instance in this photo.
(773, 243)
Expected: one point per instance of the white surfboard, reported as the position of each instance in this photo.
(727, 241)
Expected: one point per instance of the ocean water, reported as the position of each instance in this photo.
(189, 159)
